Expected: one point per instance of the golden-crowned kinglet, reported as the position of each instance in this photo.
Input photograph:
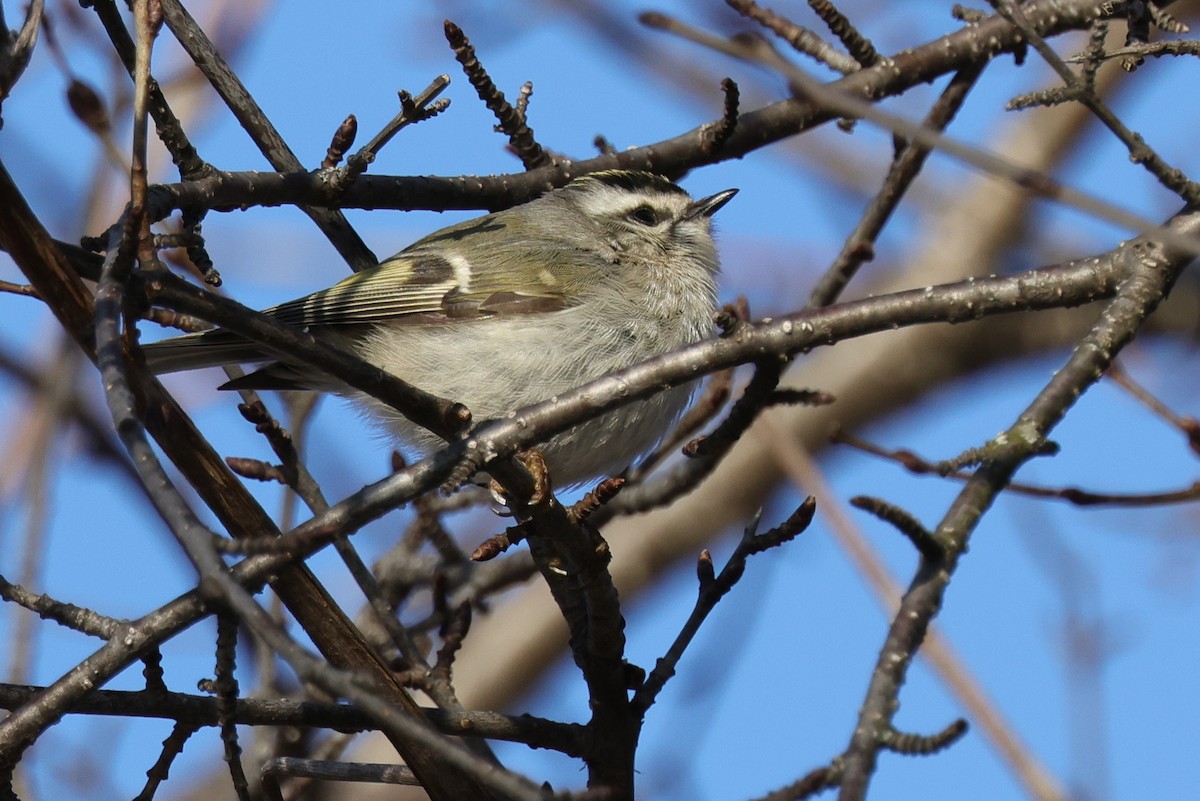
(516, 307)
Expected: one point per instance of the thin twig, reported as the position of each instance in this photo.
(1139, 152)
(859, 46)
(225, 687)
(240, 102)
(512, 121)
(918, 465)
(199, 711)
(835, 101)
(1184, 47)
(424, 106)
(172, 747)
(924, 744)
(74, 617)
(958, 677)
(1189, 426)
(802, 39)
(714, 587)
(859, 246)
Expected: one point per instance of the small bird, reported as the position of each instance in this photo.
(513, 308)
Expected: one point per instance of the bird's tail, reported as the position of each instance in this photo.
(204, 349)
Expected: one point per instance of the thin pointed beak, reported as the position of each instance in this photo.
(708, 206)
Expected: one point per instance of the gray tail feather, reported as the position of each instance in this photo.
(195, 351)
(278, 376)
(217, 348)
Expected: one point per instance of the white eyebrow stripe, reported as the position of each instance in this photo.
(612, 203)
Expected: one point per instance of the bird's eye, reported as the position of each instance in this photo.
(645, 215)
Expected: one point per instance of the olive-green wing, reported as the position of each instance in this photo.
(415, 287)
(439, 279)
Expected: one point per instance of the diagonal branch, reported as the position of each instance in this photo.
(48, 271)
(206, 58)
(1153, 269)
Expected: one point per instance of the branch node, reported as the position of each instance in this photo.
(705, 571)
(511, 120)
(343, 140)
(152, 671)
(715, 135)
(86, 105)
(258, 470)
(498, 544)
(971, 16)
(462, 472)
(800, 397)
(604, 492)
(800, 38)
(810, 784)
(908, 525)
(922, 744)
(423, 107)
(859, 47)
(604, 146)
(784, 532)
(732, 316)
(755, 398)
